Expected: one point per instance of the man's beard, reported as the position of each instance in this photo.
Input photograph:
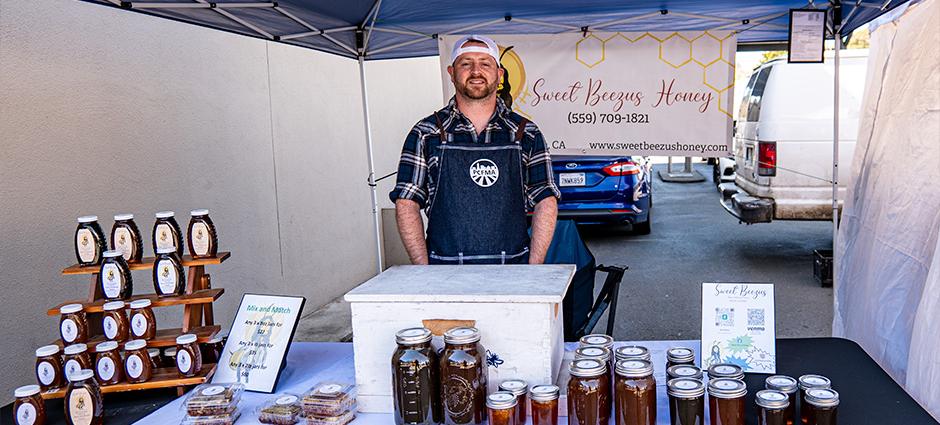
(476, 92)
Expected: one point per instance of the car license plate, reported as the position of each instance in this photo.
(571, 179)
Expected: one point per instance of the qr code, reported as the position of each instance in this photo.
(755, 317)
(724, 316)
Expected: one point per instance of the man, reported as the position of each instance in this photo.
(477, 168)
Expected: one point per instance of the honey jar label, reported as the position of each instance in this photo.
(134, 366)
(111, 280)
(139, 324)
(26, 414)
(72, 366)
(166, 276)
(110, 327)
(200, 238)
(165, 236)
(123, 242)
(106, 369)
(184, 361)
(69, 330)
(85, 241)
(46, 373)
(81, 408)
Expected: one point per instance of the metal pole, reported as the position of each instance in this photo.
(687, 168)
(835, 152)
(375, 202)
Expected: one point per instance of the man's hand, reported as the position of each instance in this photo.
(543, 228)
(411, 230)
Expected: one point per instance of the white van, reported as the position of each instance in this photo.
(783, 139)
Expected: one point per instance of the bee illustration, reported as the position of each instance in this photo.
(164, 236)
(199, 234)
(122, 240)
(110, 274)
(84, 240)
(166, 271)
(492, 359)
(81, 403)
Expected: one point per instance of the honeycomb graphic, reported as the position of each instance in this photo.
(714, 54)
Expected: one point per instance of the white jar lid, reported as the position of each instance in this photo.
(26, 391)
(217, 338)
(106, 346)
(186, 339)
(122, 217)
(141, 303)
(70, 308)
(81, 375)
(47, 350)
(153, 352)
(170, 352)
(135, 344)
(166, 250)
(199, 212)
(164, 214)
(75, 349)
(111, 254)
(87, 219)
(113, 305)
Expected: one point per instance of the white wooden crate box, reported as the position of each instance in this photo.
(517, 308)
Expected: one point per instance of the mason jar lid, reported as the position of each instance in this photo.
(772, 399)
(217, 338)
(781, 383)
(517, 387)
(153, 352)
(814, 381)
(199, 212)
(685, 388)
(501, 400)
(113, 305)
(26, 391)
(164, 214)
(140, 304)
(725, 370)
(185, 339)
(81, 375)
(170, 352)
(592, 352)
(70, 308)
(88, 219)
(47, 350)
(166, 250)
(634, 368)
(461, 335)
(135, 344)
(822, 397)
(412, 336)
(587, 368)
(106, 346)
(684, 371)
(544, 392)
(726, 388)
(680, 355)
(75, 349)
(111, 254)
(123, 217)
(632, 352)
(596, 340)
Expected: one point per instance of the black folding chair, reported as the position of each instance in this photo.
(606, 298)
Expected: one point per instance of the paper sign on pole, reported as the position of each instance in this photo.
(738, 326)
(807, 35)
(647, 93)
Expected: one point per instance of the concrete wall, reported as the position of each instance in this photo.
(104, 111)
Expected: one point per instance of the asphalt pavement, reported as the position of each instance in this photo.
(694, 240)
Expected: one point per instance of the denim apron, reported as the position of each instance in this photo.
(478, 213)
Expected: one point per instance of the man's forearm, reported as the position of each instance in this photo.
(543, 228)
(411, 230)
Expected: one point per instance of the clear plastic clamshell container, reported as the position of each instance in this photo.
(225, 419)
(342, 419)
(282, 409)
(213, 400)
(329, 399)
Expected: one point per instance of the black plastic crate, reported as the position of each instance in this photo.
(822, 266)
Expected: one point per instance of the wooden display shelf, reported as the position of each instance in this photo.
(147, 263)
(204, 296)
(165, 377)
(163, 338)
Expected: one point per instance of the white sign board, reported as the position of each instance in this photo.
(807, 33)
(738, 326)
(258, 341)
(647, 93)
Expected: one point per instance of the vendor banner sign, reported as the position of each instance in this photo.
(646, 93)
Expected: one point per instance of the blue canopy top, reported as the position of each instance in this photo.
(391, 29)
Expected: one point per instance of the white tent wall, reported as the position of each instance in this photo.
(887, 255)
(103, 112)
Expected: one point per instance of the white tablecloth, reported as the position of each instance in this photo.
(311, 362)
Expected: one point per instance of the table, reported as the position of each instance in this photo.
(869, 395)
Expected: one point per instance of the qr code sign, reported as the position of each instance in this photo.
(724, 316)
(755, 317)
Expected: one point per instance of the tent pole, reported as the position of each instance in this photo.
(369, 148)
(835, 151)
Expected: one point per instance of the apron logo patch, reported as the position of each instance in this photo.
(484, 172)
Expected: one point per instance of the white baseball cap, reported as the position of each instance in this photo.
(491, 48)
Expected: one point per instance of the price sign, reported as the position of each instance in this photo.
(738, 326)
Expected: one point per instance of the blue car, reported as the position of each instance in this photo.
(605, 190)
